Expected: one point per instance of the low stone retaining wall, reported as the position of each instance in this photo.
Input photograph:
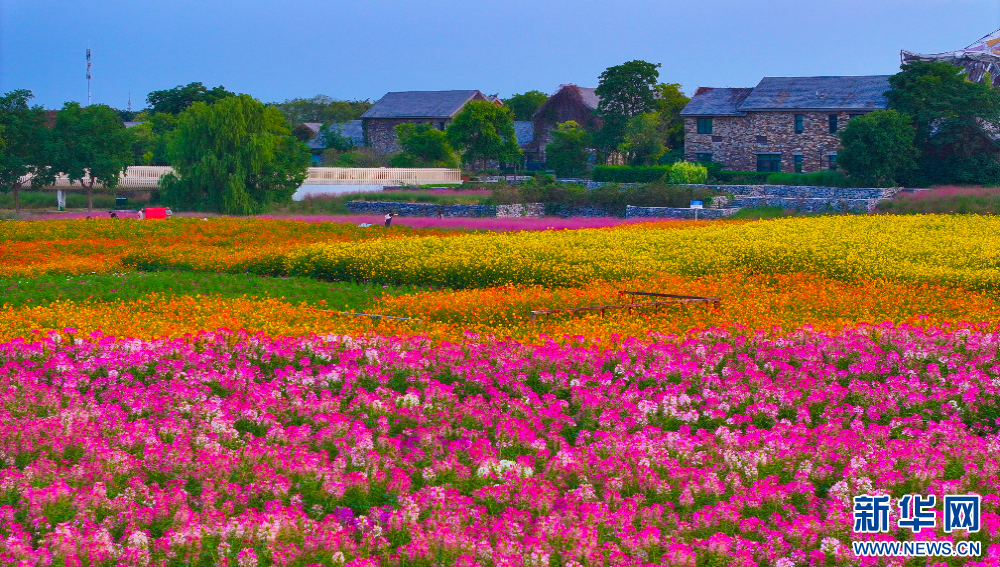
(677, 213)
(566, 211)
(420, 209)
(805, 191)
(806, 205)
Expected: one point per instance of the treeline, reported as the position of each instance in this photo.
(940, 128)
(230, 153)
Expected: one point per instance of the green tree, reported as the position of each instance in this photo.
(955, 122)
(332, 139)
(484, 131)
(423, 146)
(322, 108)
(149, 137)
(91, 145)
(25, 156)
(670, 101)
(645, 140)
(567, 152)
(649, 136)
(525, 105)
(235, 157)
(878, 148)
(625, 91)
(179, 98)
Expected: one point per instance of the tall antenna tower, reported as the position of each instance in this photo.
(88, 76)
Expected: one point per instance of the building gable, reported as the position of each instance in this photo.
(708, 101)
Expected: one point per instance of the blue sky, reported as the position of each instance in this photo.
(280, 49)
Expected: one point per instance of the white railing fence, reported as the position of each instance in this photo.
(148, 176)
(381, 176)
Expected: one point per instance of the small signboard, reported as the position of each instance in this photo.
(697, 205)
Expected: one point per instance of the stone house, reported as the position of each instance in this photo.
(435, 107)
(570, 102)
(784, 124)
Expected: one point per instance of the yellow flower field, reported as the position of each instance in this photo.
(950, 250)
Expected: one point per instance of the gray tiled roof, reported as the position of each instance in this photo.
(590, 97)
(525, 131)
(716, 102)
(793, 93)
(422, 104)
(819, 93)
(351, 130)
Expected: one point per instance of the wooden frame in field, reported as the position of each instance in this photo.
(678, 300)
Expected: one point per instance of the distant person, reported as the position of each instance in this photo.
(113, 214)
(388, 218)
(441, 212)
(142, 214)
(169, 213)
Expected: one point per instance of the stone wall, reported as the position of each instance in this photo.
(809, 205)
(805, 191)
(380, 133)
(567, 211)
(526, 210)
(735, 141)
(420, 209)
(677, 213)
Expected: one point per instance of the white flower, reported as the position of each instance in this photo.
(138, 540)
(829, 545)
(408, 401)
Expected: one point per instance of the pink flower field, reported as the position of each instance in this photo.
(483, 223)
(239, 450)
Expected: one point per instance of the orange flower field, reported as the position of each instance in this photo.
(882, 285)
(750, 303)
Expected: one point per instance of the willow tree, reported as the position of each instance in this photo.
(236, 156)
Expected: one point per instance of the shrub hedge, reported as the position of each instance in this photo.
(630, 174)
(814, 179)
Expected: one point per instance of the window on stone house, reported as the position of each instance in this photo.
(833, 124)
(832, 161)
(440, 125)
(716, 139)
(798, 163)
(704, 125)
(769, 163)
(761, 139)
(800, 123)
(703, 156)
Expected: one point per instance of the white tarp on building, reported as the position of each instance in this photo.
(978, 59)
